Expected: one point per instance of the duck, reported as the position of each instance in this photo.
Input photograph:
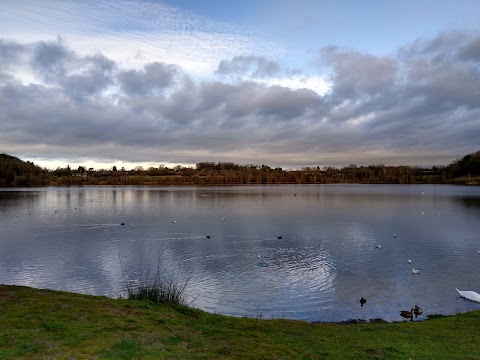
(378, 246)
(280, 237)
(417, 310)
(208, 236)
(407, 314)
(415, 271)
(363, 301)
(409, 261)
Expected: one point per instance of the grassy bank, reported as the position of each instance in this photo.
(43, 324)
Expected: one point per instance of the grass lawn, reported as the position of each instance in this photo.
(45, 324)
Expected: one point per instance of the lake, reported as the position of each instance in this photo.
(306, 252)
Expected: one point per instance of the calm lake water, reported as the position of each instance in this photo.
(298, 252)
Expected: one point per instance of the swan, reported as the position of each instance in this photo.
(470, 295)
(415, 271)
(407, 314)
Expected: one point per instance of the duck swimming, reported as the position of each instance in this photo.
(362, 301)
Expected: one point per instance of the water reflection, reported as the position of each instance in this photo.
(254, 248)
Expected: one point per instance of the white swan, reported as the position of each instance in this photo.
(470, 295)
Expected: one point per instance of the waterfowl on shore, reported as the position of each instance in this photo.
(417, 310)
(362, 301)
(407, 314)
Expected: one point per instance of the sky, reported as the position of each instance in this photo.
(275, 82)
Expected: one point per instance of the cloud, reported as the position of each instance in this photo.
(418, 106)
(358, 75)
(154, 77)
(10, 53)
(251, 66)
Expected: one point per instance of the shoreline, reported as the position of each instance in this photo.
(38, 323)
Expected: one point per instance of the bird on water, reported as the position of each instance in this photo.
(362, 301)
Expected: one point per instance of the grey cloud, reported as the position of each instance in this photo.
(57, 65)
(284, 103)
(4, 77)
(256, 66)
(379, 109)
(358, 75)
(471, 50)
(441, 73)
(153, 78)
(94, 75)
(50, 60)
(10, 53)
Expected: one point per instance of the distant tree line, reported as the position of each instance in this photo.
(15, 172)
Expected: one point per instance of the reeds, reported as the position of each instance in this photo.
(160, 285)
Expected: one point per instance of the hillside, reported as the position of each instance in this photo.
(15, 172)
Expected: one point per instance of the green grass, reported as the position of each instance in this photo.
(44, 324)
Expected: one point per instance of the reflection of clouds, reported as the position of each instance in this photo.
(324, 262)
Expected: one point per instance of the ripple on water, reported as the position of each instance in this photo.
(236, 280)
